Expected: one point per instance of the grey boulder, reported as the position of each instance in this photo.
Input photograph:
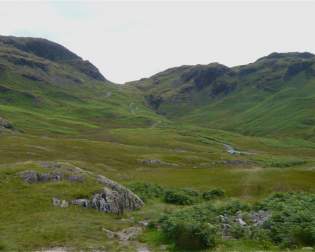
(5, 124)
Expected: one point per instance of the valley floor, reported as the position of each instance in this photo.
(173, 157)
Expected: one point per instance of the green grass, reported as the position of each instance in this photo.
(195, 154)
(117, 154)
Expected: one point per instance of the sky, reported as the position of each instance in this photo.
(131, 40)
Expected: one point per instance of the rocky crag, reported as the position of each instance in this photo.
(112, 198)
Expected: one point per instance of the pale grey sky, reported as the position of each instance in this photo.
(131, 40)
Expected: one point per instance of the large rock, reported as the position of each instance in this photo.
(115, 198)
(111, 200)
(108, 201)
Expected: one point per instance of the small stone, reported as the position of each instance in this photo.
(129, 234)
(56, 176)
(64, 204)
(163, 247)
(109, 234)
(241, 222)
(76, 178)
(260, 217)
(143, 248)
(143, 223)
(151, 161)
(56, 201)
(30, 176)
(81, 202)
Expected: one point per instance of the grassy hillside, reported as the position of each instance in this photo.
(51, 94)
(272, 96)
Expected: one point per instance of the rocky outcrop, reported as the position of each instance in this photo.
(109, 201)
(113, 198)
(40, 47)
(87, 68)
(25, 61)
(298, 67)
(36, 177)
(119, 197)
(5, 124)
(243, 220)
(203, 76)
(154, 101)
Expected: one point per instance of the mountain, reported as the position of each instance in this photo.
(274, 95)
(41, 54)
(46, 87)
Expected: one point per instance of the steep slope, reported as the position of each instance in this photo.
(274, 95)
(48, 50)
(45, 87)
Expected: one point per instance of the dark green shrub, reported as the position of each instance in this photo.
(191, 192)
(237, 231)
(146, 191)
(194, 236)
(289, 222)
(304, 235)
(2, 247)
(213, 194)
(290, 228)
(189, 228)
(293, 220)
(187, 231)
(233, 207)
(178, 197)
